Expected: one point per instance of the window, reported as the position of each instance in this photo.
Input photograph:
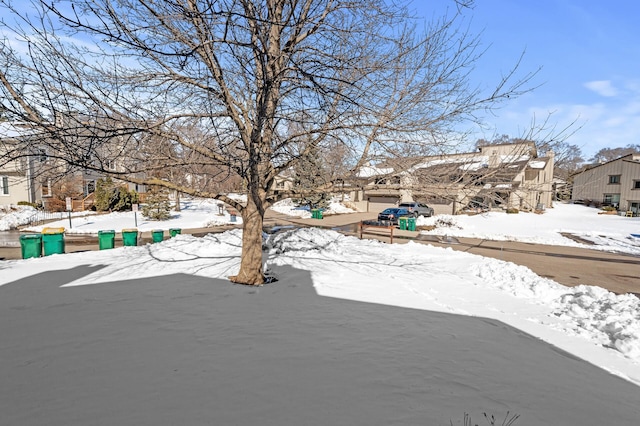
(110, 164)
(46, 188)
(42, 155)
(4, 188)
(614, 179)
(636, 184)
(611, 199)
(91, 187)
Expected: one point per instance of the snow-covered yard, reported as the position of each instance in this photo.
(607, 232)
(589, 322)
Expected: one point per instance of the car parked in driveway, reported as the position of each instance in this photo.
(417, 209)
(392, 215)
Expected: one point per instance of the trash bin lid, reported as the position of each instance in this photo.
(130, 230)
(106, 231)
(53, 230)
(31, 237)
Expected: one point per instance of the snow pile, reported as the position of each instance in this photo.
(518, 281)
(595, 313)
(609, 319)
(288, 207)
(336, 207)
(12, 216)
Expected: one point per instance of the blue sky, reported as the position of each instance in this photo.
(589, 51)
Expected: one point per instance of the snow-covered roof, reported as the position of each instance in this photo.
(9, 130)
(13, 130)
(537, 164)
(370, 171)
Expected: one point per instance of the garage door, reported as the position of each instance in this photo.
(377, 204)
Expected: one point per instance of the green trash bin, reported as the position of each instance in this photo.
(403, 223)
(106, 239)
(31, 245)
(53, 241)
(174, 231)
(157, 235)
(411, 224)
(130, 237)
(319, 214)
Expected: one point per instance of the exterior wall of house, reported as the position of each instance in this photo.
(15, 183)
(507, 152)
(283, 183)
(536, 185)
(615, 183)
(13, 188)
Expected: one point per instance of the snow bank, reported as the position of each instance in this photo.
(13, 216)
(288, 207)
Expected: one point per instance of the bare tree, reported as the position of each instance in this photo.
(260, 84)
(608, 154)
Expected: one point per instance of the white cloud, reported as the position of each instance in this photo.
(602, 88)
(608, 123)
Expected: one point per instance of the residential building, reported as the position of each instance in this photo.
(30, 171)
(614, 183)
(17, 177)
(495, 177)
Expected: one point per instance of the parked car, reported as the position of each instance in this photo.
(417, 209)
(392, 215)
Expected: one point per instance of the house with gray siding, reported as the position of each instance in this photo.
(614, 183)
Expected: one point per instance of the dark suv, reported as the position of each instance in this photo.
(417, 209)
(393, 214)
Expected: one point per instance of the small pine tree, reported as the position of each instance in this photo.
(125, 199)
(104, 194)
(111, 197)
(309, 175)
(157, 205)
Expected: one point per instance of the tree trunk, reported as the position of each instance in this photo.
(251, 272)
(177, 208)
